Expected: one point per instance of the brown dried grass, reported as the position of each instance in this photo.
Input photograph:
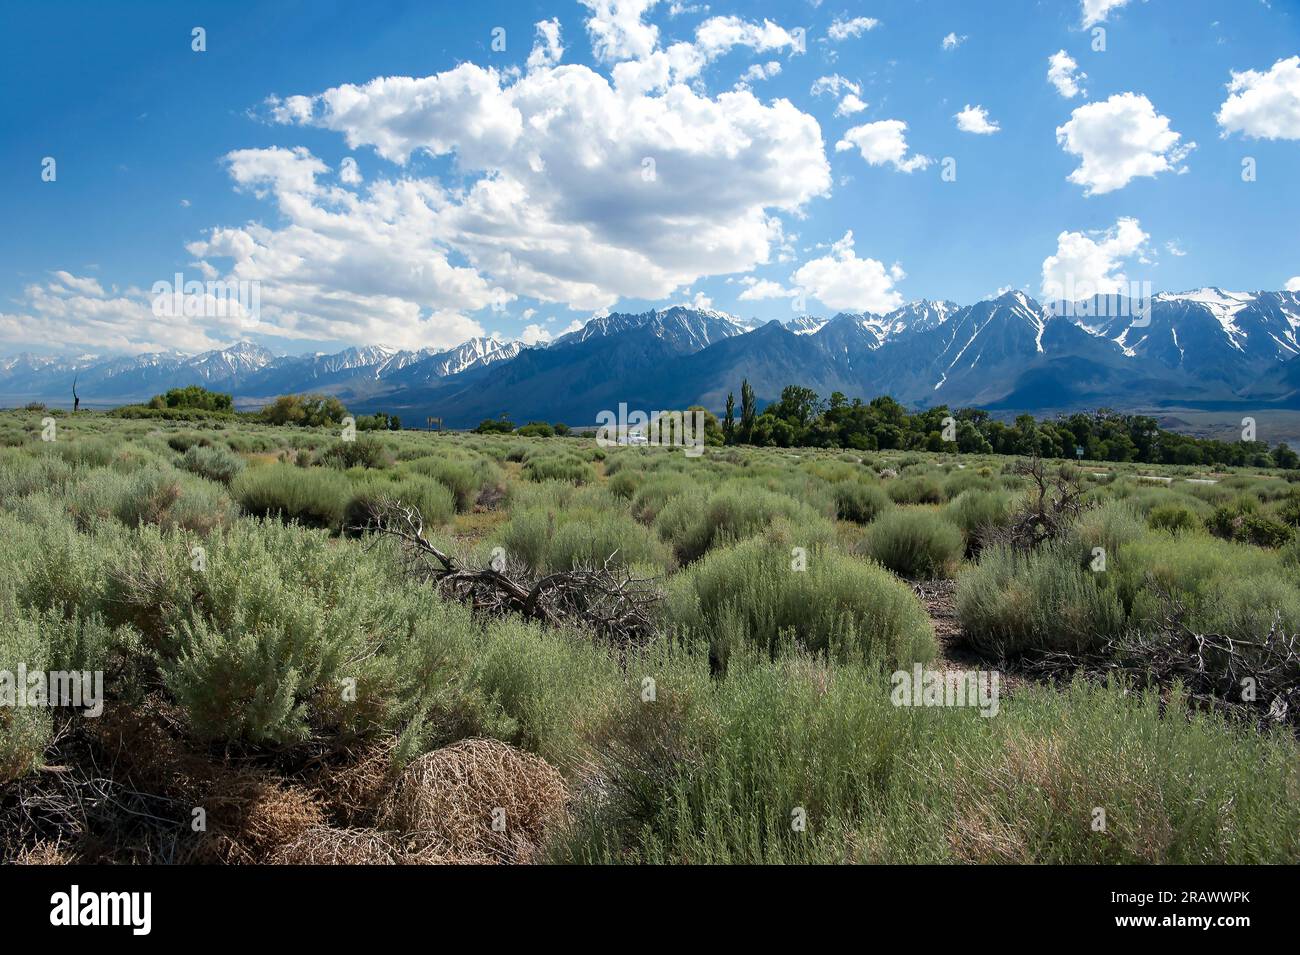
(444, 802)
(321, 845)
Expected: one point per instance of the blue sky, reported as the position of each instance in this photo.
(746, 156)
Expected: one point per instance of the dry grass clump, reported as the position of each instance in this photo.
(249, 817)
(352, 787)
(445, 802)
(1016, 808)
(321, 845)
(46, 852)
(248, 813)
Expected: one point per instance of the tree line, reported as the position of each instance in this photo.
(802, 418)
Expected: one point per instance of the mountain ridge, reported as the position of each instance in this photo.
(1201, 347)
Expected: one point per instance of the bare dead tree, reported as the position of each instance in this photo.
(607, 599)
(1052, 504)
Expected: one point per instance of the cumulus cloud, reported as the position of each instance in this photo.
(847, 29)
(845, 282)
(1063, 73)
(1096, 11)
(534, 334)
(1264, 105)
(1118, 140)
(757, 290)
(975, 119)
(1293, 284)
(71, 312)
(1092, 263)
(618, 31)
(952, 41)
(850, 105)
(717, 35)
(759, 71)
(572, 187)
(834, 85)
(883, 142)
(547, 49)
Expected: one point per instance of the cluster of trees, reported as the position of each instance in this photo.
(309, 411)
(803, 418)
(535, 429)
(193, 397)
(379, 421)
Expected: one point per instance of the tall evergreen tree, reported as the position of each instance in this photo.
(729, 421)
(748, 411)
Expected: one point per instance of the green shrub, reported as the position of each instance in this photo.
(466, 479)
(1012, 603)
(859, 502)
(548, 468)
(732, 513)
(978, 514)
(914, 489)
(214, 464)
(915, 543)
(1174, 517)
(362, 452)
(751, 594)
(433, 500)
(315, 497)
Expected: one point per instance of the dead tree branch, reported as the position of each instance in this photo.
(607, 600)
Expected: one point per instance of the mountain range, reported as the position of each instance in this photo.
(1206, 349)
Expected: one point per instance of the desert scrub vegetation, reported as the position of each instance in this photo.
(915, 543)
(749, 594)
(265, 651)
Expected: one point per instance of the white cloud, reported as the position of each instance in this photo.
(563, 210)
(1175, 249)
(1087, 264)
(1293, 284)
(1118, 140)
(1063, 73)
(834, 84)
(617, 29)
(975, 119)
(185, 203)
(1264, 105)
(716, 35)
(547, 49)
(845, 282)
(883, 142)
(952, 41)
(847, 29)
(552, 199)
(850, 105)
(759, 71)
(83, 285)
(349, 172)
(534, 334)
(1096, 11)
(759, 289)
(74, 312)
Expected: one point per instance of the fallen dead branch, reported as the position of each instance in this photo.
(607, 600)
(1258, 679)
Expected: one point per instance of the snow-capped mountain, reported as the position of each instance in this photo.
(683, 328)
(1204, 348)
